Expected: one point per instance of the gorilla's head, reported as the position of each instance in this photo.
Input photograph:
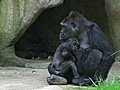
(73, 44)
(72, 25)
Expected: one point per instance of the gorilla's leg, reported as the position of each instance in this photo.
(56, 80)
(75, 79)
(92, 62)
(61, 69)
(52, 70)
(63, 66)
(90, 66)
(104, 67)
(69, 66)
(75, 74)
(74, 70)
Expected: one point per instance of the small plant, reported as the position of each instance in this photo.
(102, 85)
(111, 85)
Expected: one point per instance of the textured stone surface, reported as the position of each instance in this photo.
(15, 78)
(53, 87)
(113, 12)
(15, 17)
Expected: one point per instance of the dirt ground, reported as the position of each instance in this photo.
(15, 78)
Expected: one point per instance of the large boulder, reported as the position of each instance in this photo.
(15, 17)
(113, 12)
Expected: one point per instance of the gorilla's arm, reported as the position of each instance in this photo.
(99, 41)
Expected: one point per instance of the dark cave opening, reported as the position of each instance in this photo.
(41, 38)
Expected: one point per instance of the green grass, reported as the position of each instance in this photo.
(111, 85)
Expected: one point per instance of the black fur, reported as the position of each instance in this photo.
(64, 61)
(92, 57)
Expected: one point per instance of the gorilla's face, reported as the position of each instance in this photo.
(73, 25)
(73, 44)
(67, 30)
(64, 33)
(70, 26)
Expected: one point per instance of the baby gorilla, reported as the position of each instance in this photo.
(63, 61)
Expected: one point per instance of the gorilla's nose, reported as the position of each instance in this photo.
(60, 37)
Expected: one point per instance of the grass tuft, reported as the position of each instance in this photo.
(102, 85)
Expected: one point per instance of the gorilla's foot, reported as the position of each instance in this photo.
(56, 80)
(75, 81)
(85, 82)
(82, 81)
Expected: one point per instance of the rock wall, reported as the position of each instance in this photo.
(113, 12)
(15, 17)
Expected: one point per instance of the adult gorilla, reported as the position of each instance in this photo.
(94, 55)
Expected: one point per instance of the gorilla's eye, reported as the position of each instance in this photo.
(63, 26)
(73, 24)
